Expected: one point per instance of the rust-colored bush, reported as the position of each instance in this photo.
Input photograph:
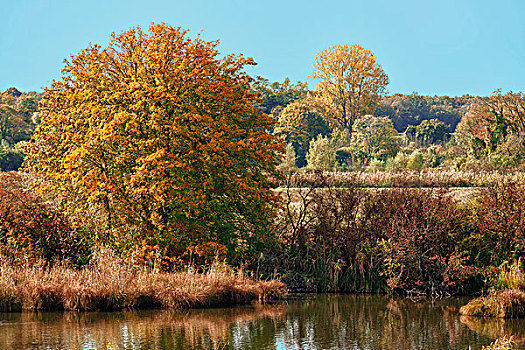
(31, 230)
(418, 231)
(497, 224)
(405, 240)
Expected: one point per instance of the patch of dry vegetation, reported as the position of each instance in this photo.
(506, 300)
(425, 178)
(500, 344)
(109, 283)
(508, 303)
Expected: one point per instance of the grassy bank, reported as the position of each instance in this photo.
(509, 303)
(109, 283)
(505, 300)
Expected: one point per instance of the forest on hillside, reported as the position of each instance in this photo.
(18, 121)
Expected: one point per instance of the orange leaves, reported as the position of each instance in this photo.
(157, 135)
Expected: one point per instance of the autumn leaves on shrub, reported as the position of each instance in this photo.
(405, 240)
(31, 231)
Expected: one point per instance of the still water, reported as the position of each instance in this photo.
(321, 322)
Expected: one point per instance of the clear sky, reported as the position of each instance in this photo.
(438, 47)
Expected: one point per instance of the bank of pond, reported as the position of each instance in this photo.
(322, 321)
(110, 284)
(271, 318)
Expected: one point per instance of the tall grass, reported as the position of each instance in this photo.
(109, 283)
(510, 277)
(425, 178)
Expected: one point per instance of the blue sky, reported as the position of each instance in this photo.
(445, 47)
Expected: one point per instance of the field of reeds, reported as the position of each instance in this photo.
(400, 179)
(109, 283)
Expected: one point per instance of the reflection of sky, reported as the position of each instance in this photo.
(432, 47)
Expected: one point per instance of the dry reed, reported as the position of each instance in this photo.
(500, 344)
(109, 283)
(425, 178)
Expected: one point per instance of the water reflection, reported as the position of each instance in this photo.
(323, 322)
(497, 327)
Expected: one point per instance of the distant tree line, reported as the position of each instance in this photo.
(348, 121)
(18, 120)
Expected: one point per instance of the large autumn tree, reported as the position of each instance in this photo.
(155, 137)
(351, 84)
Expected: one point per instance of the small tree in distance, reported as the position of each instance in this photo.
(154, 138)
(321, 154)
(351, 84)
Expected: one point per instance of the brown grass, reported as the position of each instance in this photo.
(109, 284)
(425, 178)
(508, 303)
(500, 344)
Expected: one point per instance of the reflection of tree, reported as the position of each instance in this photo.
(375, 322)
(157, 329)
(494, 327)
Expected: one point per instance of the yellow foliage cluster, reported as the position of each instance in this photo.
(156, 137)
(352, 82)
(200, 255)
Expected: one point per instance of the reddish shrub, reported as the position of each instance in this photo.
(420, 230)
(31, 230)
(497, 224)
(406, 240)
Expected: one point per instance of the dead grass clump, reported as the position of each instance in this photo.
(508, 303)
(110, 283)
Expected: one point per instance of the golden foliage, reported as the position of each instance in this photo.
(155, 137)
(352, 82)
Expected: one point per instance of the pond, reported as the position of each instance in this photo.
(316, 322)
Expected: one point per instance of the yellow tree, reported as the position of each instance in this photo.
(351, 84)
(156, 138)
